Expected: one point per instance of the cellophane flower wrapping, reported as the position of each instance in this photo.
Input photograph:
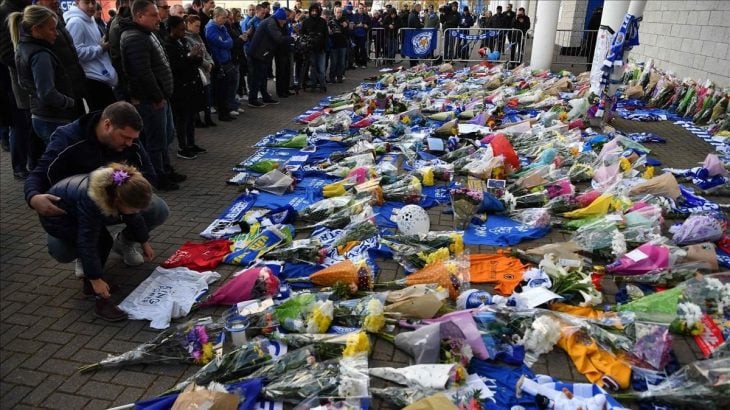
(407, 189)
(653, 344)
(190, 342)
(367, 312)
(324, 208)
(465, 203)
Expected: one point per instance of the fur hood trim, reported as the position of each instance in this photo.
(99, 180)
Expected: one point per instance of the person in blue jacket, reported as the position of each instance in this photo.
(360, 28)
(225, 72)
(110, 195)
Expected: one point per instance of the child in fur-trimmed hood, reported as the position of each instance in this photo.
(110, 195)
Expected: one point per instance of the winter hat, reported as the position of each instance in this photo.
(280, 14)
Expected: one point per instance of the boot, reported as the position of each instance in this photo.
(106, 310)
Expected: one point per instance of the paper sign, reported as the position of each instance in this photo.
(534, 297)
(435, 144)
(636, 255)
(569, 263)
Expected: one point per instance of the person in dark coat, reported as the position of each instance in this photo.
(53, 100)
(25, 147)
(149, 86)
(466, 22)
(188, 87)
(111, 195)
(339, 32)
(315, 28)
(86, 144)
(114, 36)
(522, 23)
(391, 25)
(450, 19)
(266, 38)
(414, 22)
(590, 42)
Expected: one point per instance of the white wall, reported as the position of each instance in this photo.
(572, 17)
(689, 38)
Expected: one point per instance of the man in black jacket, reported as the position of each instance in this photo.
(266, 38)
(414, 22)
(522, 23)
(149, 86)
(82, 146)
(450, 19)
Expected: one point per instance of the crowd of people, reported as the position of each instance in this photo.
(80, 94)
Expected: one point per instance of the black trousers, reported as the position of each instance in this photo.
(183, 115)
(283, 72)
(98, 95)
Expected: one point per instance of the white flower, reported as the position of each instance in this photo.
(542, 335)
(689, 312)
(618, 244)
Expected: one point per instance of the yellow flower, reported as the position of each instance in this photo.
(648, 173)
(457, 244)
(207, 354)
(563, 116)
(405, 120)
(427, 176)
(357, 342)
(624, 164)
(320, 318)
(375, 320)
(438, 255)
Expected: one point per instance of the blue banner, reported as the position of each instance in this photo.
(461, 35)
(419, 43)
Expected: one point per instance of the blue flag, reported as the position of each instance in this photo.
(419, 43)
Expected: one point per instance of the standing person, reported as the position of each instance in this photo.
(466, 22)
(249, 30)
(164, 9)
(593, 25)
(522, 23)
(391, 23)
(192, 33)
(267, 37)
(114, 194)
(243, 73)
(205, 9)
(450, 19)
(338, 30)
(509, 14)
(177, 10)
(501, 23)
(361, 26)
(188, 88)
(114, 36)
(220, 44)
(92, 48)
(414, 22)
(53, 100)
(149, 86)
(100, 21)
(86, 144)
(482, 23)
(24, 146)
(283, 61)
(431, 19)
(233, 25)
(315, 28)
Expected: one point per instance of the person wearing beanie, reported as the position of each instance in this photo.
(315, 29)
(267, 37)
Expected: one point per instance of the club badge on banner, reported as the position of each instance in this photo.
(419, 43)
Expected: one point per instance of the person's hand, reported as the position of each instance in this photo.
(105, 46)
(159, 104)
(101, 288)
(44, 205)
(148, 252)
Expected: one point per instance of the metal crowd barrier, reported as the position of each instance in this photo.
(462, 44)
(574, 47)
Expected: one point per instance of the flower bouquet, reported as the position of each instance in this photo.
(452, 274)
(345, 272)
(358, 209)
(356, 231)
(571, 283)
(407, 189)
(367, 312)
(191, 342)
(300, 250)
(323, 209)
(352, 343)
(232, 366)
(304, 313)
(414, 252)
(465, 203)
(254, 283)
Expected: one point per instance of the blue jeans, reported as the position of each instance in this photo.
(64, 251)
(44, 128)
(317, 65)
(158, 135)
(338, 59)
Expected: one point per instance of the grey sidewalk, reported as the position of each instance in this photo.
(48, 330)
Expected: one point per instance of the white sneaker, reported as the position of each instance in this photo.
(126, 249)
(213, 110)
(233, 113)
(78, 269)
(241, 110)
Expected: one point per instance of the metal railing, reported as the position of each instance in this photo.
(462, 45)
(574, 47)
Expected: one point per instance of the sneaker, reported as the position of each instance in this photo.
(241, 110)
(21, 175)
(106, 310)
(225, 117)
(126, 249)
(175, 177)
(213, 110)
(78, 270)
(270, 101)
(186, 153)
(233, 113)
(198, 150)
(255, 104)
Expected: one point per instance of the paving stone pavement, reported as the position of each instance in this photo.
(48, 330)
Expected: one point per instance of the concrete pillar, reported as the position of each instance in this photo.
(613, 14)
(546, 25)
(636, 9)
